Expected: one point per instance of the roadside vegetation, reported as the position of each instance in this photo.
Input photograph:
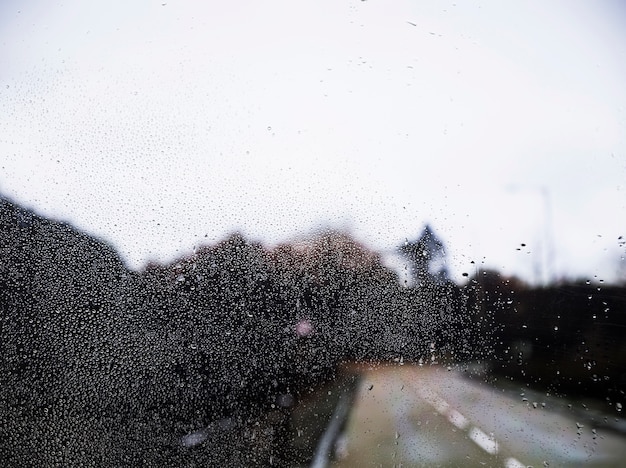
(101, 365)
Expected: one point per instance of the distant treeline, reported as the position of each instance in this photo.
(568, 337)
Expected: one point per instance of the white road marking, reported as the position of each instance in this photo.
(458, 419)
(440, 405)
(513, 463)
(486, 442)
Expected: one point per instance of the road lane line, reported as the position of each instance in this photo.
(486, 442)
(440, 405)
(458, 419)
(513, 463)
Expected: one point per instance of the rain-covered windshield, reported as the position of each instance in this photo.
(336, 233)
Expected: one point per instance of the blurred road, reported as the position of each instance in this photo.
(430, 416)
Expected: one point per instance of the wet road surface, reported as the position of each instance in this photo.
(414, 416)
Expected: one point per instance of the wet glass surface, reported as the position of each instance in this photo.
(328, 233)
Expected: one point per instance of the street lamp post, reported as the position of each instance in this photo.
(546, 264)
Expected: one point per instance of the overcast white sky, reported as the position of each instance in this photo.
(154, 123)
